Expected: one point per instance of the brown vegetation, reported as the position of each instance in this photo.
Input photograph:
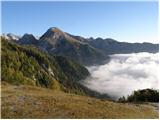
(35, 102)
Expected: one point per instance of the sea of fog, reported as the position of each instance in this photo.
(124, 74)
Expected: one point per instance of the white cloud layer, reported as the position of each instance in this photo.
(124, 74)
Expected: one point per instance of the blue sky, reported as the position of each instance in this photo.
(123, 21)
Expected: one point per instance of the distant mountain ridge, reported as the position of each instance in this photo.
(111, 46)
(87, 51)
(11, 36)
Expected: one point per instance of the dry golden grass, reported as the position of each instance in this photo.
(35, 102)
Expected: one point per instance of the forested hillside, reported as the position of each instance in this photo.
(28, 65)
(144, 95)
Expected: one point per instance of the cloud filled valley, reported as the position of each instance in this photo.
(124, 74)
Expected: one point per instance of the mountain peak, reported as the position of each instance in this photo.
(27, 39)
(53, 33)
(26, 34)
(55, 30)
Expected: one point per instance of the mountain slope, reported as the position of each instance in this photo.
(27, 65)
(40, 103)
(30, 66)
(56, 42)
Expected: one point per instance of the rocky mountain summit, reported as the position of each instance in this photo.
(57, 42)
(28, 39)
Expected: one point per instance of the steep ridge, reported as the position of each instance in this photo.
(57, 42)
